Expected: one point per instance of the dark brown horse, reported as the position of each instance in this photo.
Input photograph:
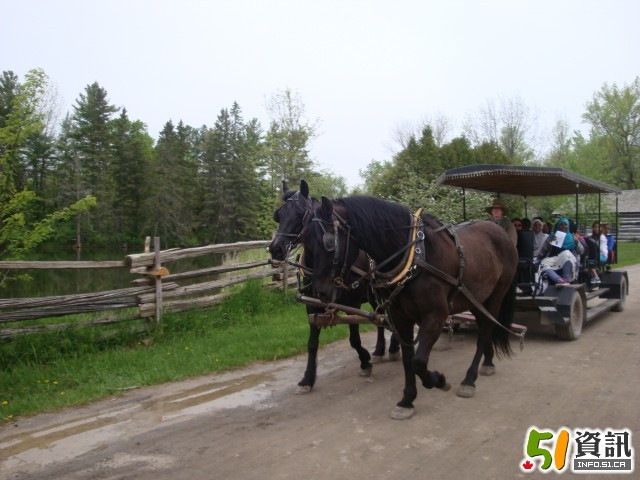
(297, 206)
(430, 290)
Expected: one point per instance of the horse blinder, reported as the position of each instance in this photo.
(329, 241)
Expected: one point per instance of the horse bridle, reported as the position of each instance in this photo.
(304, 205)
(331, 243)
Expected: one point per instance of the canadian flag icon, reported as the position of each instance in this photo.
(527, 465)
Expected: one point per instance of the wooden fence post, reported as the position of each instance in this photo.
(156, 267)
(285, 277)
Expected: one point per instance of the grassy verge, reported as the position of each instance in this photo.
(628, 254)
(43, 372)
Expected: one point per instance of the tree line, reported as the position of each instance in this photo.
(504, 134)
(191, 186)
(98, 178)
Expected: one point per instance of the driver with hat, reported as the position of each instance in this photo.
(498, 212)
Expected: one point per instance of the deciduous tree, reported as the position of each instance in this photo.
(614, 116)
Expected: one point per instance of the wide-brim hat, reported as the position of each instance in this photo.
(497, 203)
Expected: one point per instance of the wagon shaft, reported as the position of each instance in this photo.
(329, 320)
(355, 315)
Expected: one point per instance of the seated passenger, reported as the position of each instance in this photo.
(539, 238)
(560, 262)
(517, 223)
(598, 251)
(524, 245)
(611, 243)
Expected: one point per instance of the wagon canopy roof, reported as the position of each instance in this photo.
(524, 181)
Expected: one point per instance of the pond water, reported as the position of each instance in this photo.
(70, 281)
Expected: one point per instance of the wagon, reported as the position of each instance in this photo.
(567, 307)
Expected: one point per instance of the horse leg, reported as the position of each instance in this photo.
(308, 381)
(488, 368)
(378, 352)
(363, 354)
(394, 348)
(428, 335)
(404, 408)
(467, 387)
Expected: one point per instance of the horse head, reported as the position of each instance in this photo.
(297, 205)
(328, 241)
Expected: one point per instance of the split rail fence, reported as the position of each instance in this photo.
(156, 291)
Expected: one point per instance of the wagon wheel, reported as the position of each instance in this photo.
(577, 314)
(623, 296)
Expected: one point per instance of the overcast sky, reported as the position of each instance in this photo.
(362, 68)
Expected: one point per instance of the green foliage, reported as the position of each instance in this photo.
(21, 118)
(327, 184)
(628, 254)
(20, 233)
(410, 177)
(133, 152)
(614, 115)
(221, 183)
(287, 139)
(44, 371)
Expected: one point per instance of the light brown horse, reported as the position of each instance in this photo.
(339, 229)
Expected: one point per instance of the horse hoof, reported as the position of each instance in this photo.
(447, 387)
(400, 413)
(366, 372)
(303, 389)
(376, 359)
(487, 370)
(395, 356)
(466, 391)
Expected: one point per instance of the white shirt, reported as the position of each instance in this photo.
(604, 249)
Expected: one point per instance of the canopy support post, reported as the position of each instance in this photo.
(599, 207)
(464, 205)
(577, 222)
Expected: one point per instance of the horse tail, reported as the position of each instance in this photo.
(505, 317)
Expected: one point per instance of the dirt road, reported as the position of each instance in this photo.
(248, 424)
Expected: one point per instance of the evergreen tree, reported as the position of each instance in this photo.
(68, 184)
(231, 155)
(132, 150)
(9, 86)
(168, 205)
(92, 135)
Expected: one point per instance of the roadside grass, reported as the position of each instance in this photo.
(628, 254)
(43, 372)
(46, 371)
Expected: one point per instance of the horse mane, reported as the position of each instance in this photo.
(373, 219)
(288, 194)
